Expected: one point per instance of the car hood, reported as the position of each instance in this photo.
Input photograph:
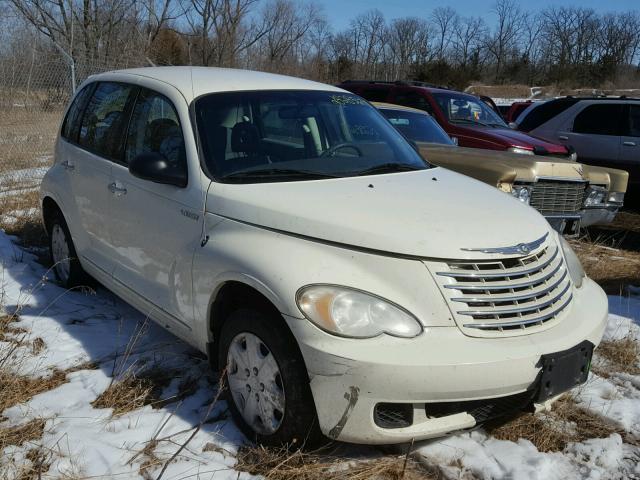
(519, 139)
(431, 213)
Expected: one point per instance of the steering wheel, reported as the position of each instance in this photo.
(339, 146)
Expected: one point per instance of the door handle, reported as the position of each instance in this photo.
(116, 189)
(68, 165)
(563, 137)
(629, 144)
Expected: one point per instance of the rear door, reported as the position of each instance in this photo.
(630, 144)
(87, 156)
(156, 227)
(595, 133)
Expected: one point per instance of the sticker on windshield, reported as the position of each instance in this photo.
(347, 100)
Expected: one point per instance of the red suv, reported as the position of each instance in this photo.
(466, 118)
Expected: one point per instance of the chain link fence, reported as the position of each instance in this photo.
(34, 91)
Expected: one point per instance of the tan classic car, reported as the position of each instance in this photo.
(569, 194)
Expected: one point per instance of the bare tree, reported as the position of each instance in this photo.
(444, 20)
(504, 40)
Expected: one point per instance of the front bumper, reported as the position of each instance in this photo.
(593, 216)
(350, 377)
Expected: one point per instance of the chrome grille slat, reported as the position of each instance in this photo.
(521, 310)
(525, 322)
(507, 296)
(501, 273)
(557, 197)
(512, 298)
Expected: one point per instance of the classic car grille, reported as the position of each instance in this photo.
(507, 296)
(556, 197)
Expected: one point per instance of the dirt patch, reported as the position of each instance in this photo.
(22, 434)
(284, 464)
(501, 91)
(552, 431)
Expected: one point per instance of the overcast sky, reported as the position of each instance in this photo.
(340, 12)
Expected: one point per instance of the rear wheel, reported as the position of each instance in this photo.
(66, 265)
(267, 383)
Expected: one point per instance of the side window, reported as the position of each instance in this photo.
(375, 94)
(633, 129)
(413, 99)
(155, 127)
(599, 119)
(71, 124)
(104, 120)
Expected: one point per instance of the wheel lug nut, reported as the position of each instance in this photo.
(255, 371)
(248, 388)
(262, 387)
(246, 372)
(257, 398)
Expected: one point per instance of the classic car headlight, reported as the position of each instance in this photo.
(521, 150)
(522, 193)
(573, 263)
(352, 313)
(616, 197)
(596, 195)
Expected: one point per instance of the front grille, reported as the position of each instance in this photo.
(556, 197)
(508, 296)
(482, 410)
(393, 415)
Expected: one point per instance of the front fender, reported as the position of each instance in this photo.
(278, 264)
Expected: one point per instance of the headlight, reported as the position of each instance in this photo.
(573, 156)
(524, 151)
(352, 313)
(522, 193)
(596, 195)
(573, 263)
(616, 197)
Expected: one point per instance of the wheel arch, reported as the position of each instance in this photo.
(231, 295)
(49, 208)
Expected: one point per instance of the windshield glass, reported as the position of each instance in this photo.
(418, 127)
(271, 136)
(467, 109)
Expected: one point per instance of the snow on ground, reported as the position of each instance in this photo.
(84, 441)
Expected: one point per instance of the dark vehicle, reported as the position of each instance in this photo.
(466, 118)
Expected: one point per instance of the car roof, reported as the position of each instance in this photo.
(392, 106)
(193, 82)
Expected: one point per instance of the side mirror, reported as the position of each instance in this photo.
(513, 125)
(155, 167)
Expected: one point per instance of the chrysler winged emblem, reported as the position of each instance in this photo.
(520, 248)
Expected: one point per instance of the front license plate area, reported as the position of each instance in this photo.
(561, 371)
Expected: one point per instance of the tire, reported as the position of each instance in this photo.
(287, 414)
(64, 258)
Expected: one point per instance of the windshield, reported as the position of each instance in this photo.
(418, 127)
(272, 136)
(466, 109)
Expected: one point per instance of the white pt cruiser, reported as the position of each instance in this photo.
(345, 287)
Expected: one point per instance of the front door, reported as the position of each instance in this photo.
(630, 147)
(156, 227)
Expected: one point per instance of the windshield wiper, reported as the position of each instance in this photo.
(466, 120)
(276, 173)
(388, 168)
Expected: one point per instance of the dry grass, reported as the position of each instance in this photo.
(283, 464)
(612, 268)
(132, 391)
(552, 431)
(621, 355)
(16, 389)
(22, 434)
(20, 216)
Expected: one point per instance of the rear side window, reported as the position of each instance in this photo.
(105, 120)
(544, 112)
(155, 127)
(375, 94)
(599, 119)
(633, 128)
(413, 99)
(71, 124)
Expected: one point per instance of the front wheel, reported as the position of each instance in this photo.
(268, 386)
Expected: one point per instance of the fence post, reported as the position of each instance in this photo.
(72, 66)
